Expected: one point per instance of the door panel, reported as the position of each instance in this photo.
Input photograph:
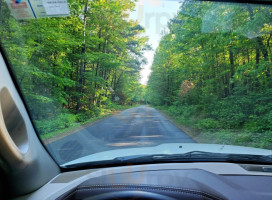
(24, 159)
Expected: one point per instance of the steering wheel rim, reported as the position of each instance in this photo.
(134, 195)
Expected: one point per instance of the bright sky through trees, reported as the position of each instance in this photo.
(153, 15)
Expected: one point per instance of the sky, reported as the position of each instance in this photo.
(153, 15)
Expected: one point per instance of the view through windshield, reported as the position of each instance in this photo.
(109, 78)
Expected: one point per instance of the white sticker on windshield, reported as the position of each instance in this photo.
(20, 9)
(56, 7)
(30, 9)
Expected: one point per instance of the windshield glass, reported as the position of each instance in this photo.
(112, 78)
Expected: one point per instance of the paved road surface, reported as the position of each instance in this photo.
(135, 127)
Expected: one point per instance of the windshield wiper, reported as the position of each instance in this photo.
(198, 156)
(208, 156)
(194, 156)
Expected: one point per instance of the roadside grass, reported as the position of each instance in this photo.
(238, 137)
(73, 127)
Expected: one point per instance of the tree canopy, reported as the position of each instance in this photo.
(71, 68)
(215, 65)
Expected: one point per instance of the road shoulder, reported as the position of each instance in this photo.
(191, 132)
(78, 128)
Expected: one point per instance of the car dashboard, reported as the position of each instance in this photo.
(190, 181)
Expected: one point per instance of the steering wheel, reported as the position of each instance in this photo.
(126, 195)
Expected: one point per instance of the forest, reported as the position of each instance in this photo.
(212, 72)
(72, 69)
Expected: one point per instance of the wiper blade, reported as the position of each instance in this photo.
(199, 156)
(194, 156)
(208, 156)
(115, 161)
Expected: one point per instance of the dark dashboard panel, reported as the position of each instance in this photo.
(191, 184)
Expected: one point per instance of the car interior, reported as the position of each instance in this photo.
(28, 171)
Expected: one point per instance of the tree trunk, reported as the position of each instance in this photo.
(83, 62)
(232, 69)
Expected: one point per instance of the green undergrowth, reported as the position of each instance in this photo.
(212, 131)
(67, 122)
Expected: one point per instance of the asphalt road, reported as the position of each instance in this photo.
(135, 127)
